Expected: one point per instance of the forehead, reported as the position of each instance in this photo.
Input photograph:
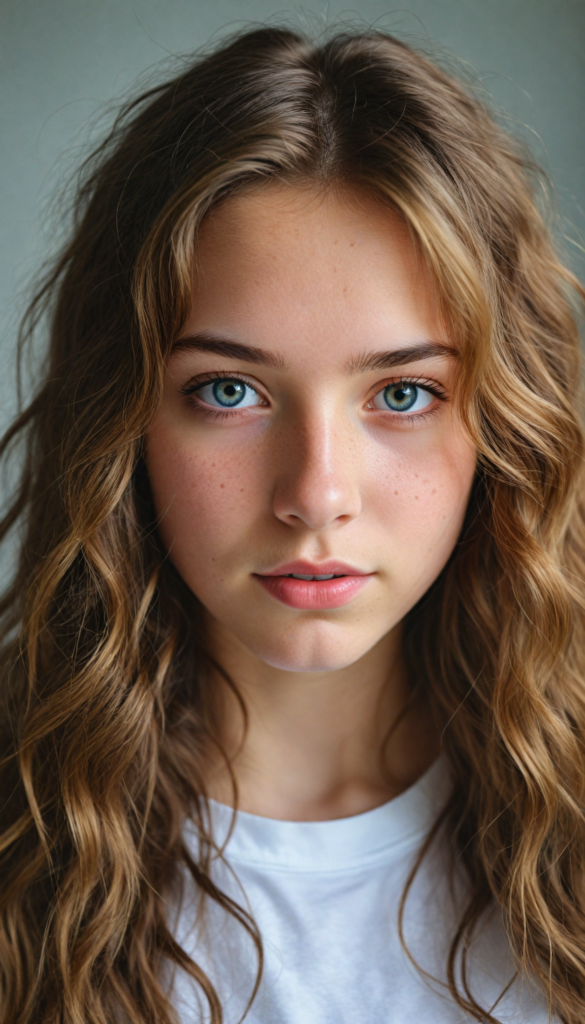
(295, 270)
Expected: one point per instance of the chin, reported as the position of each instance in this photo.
(310, 649)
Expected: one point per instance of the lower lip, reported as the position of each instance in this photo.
(313, 594)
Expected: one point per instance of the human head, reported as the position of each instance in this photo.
(326, 285)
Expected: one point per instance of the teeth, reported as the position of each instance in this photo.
(298, 576)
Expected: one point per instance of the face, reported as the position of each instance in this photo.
(309, 428)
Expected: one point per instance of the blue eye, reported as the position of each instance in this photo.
(227, 393)
(403, 396)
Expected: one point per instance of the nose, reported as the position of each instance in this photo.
(317, 484)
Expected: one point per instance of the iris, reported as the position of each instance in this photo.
(229, 392)
(401, 396)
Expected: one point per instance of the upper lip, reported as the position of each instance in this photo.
(303, 568)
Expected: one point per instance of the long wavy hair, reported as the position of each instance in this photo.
(106, 717)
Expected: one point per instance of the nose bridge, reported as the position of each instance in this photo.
(317, 480)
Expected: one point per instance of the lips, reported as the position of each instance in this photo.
(303, 568)
(321, 585)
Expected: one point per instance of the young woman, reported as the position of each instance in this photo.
(301, 527)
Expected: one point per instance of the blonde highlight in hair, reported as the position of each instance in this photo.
(107, 719)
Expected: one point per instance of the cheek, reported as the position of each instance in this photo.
(202, 496)
(421, 498)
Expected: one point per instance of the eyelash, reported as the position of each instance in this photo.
(432, 386)
(209, 412)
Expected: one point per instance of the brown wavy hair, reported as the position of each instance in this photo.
(106, 719)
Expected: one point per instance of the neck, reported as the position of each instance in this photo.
(319, 745)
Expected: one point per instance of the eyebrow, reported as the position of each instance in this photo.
(204, 342)
(374, 360)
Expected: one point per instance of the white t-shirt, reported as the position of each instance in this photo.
(325, 897)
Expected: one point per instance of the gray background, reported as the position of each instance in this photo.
(63, 63)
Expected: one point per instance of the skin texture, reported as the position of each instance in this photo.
(319, 468)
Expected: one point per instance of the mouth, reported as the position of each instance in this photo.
(305, 570)
(299, 576)
(315, 587)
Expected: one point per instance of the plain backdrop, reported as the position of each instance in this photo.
(65, 63)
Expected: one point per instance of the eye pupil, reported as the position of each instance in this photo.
(229, 392)
(400, 396)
